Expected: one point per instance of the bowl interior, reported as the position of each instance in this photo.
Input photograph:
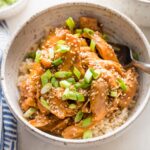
(117, 26)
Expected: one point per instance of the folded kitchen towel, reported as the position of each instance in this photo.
(8, 124)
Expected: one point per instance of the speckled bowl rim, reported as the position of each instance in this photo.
(105, 137)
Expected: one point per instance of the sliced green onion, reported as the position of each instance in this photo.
(64, 84)
(77, 85)
(87, 134)
(82, 84)
(73, 89)
(77, 34)
(88, 31)
(69, 95)
(70, 23)
(46, 88)
(31, 54)
(72, 106)
(29, 112)
(57, 62)
(71, 80)
(51, 53)
(105, 37)
(54, 82)
(78, 31)
(46, 77)
(92, 45)
(61, 42)
(63, 74)
(37, 56)
(88, 76)
(44, 103)
(113, 94)
(62, 48)
(76, 72)
(85, 85)
(78, 116)
(95, 73)
(86, 122)
(122, 84)
(73, 95)
(80, 97)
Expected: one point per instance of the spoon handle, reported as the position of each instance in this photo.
(143, 66)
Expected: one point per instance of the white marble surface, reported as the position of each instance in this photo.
(138, 136)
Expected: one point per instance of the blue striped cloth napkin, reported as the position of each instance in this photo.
(8, 124)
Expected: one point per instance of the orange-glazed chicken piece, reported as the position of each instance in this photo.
(91, 23)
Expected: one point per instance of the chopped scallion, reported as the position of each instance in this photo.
(87, 134)
(29, 112)
(73, 95)
(70, 23)
(77, 34)
(95, 73)
(71, 80)
(92, 45)
(64, 84)
(62, 48)
(46, 77)
(54, 82)
(82, 84)
(44, 103)
(77, 85)
(76, 72)
(60, 42)
(122, 84)
(86, 122)
(46, 88)
(88, 76)
(78, 31)
(88, 31)
(113, 94)
(80, 97)
(37, 56)
(57, 62)
(72, 106)
(63, 74)
(78, 116)
(69, 95)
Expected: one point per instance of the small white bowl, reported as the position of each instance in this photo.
(13, 9)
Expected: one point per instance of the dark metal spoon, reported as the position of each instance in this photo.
(128, 58)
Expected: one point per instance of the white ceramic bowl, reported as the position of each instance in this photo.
(11, 10)
(116, 24)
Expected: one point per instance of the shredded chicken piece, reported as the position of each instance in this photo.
(98, 98)
(132, 86)
(91, 23)
(104, 49)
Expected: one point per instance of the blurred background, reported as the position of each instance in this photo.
(137, 10)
